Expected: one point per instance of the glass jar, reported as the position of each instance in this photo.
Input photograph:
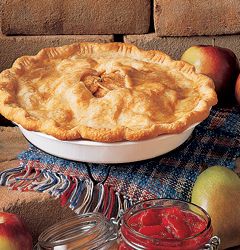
(142, 227)
(85, 232)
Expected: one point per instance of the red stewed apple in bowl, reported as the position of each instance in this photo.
(220, 64)
(13, 233)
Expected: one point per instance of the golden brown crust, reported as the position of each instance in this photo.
(134, 95)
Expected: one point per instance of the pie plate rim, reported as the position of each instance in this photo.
(103, 152)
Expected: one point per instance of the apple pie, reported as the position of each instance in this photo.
(104, 92)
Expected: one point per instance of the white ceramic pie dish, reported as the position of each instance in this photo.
(98, 152)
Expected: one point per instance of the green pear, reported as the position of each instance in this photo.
(217, 190)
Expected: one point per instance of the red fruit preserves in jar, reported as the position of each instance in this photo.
(165, 224)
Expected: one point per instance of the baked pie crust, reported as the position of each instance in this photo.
(104, 92)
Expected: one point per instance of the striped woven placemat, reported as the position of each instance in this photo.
(109, 188)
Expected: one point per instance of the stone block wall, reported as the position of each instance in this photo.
(168, 25)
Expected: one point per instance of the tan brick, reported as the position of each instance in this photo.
(12, 143)
(1, 7)
(33, 17)
(12, 47)
(205, 17)
(38, 210)
(175, 46)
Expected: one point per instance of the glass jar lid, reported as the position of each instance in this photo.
(87, 231)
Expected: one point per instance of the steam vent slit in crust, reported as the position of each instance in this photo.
(104, 92)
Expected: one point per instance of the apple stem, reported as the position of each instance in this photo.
(213, 42)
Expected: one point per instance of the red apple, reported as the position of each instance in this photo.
(13, 233)
(218, 63)
(237, 89)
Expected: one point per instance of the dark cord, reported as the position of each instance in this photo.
(95, 182)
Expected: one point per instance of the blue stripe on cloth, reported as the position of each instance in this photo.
(213, 142)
